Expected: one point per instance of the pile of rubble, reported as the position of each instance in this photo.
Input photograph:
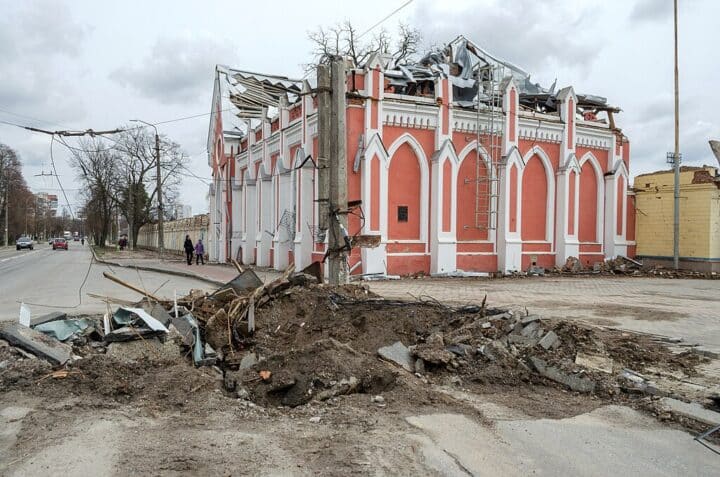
(297, 340)
(622, 265)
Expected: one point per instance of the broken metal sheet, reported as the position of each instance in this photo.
(65, 329)
(129, 333)
(54, 316)
(124, 316)
(244, 282)
(462, 82)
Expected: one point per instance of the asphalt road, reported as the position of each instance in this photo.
(48, 280)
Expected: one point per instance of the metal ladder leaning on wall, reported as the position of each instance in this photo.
(490, 138)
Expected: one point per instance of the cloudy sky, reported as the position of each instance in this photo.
(88, 64)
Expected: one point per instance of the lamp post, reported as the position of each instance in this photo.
(676, 156)
(161, 233)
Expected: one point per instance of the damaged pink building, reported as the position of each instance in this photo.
(462, 164)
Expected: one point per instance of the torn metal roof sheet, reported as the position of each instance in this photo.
(478, 79)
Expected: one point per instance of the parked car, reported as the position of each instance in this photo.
(60, 243)
(24, 242)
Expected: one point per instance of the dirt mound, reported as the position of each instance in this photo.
(321, 370)
(153, 383)
(349, 315)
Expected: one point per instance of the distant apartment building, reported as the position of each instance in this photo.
(50, 201)
(699, 218)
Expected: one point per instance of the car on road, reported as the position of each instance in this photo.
(24, 242)
(60, 243)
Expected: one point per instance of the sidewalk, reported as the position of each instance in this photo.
(214, 273)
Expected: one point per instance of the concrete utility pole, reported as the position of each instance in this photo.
(676, 154)
(339, 274)
(161, 219)
(324, 88)
(161, 231)
(131, 211)
(332, 165)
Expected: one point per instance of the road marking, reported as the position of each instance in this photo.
(18, 256)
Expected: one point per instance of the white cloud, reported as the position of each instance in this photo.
(177, 69)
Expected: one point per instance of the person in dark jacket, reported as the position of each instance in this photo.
(189, 249)
(199, 252)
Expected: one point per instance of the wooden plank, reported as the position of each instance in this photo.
(130, 286)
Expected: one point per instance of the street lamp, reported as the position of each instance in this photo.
(161, 233)
(676, 157)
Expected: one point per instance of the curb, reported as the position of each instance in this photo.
(157, 270)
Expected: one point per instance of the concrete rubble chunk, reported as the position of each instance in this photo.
(576, 383)
(522, 340)
(550, 340)
(158, 312)
(532, 330)
(248, 361)
(593, 361)
(185, 329)
(399, 354)
(529, 319)
(36, 342)
(691, 410)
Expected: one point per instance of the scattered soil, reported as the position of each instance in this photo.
(317, 365)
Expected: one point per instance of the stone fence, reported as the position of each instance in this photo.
(175, 231)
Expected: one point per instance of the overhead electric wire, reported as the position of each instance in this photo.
(30, 117)
(385, 18)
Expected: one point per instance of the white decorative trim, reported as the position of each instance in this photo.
(375, 148)
(293, 134)
(595, 141)
(409, 115)
(312, 126)
(467, 122)
(273, 144)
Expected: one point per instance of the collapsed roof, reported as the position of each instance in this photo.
(476, 76)
(251, 97)
(477, 79)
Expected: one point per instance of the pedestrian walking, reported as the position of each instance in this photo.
(189, 249)
(199, 252)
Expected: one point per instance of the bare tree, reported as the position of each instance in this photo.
(137, 191)
(97, 167)
(14, 189)
(408, 43)
(344, 40)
